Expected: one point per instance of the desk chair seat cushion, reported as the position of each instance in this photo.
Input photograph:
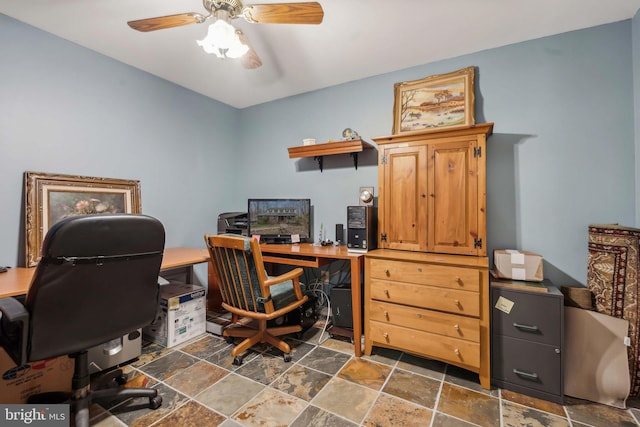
(283, 294)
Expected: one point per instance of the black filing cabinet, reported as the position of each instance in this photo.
(527, 338)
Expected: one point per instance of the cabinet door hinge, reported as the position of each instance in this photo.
(383, 160)
(383, 237)
(477, 152)
(477, 243)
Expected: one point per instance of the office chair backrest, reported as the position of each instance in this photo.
(97, 280)
(240, 269)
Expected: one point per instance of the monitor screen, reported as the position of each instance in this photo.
(276, 220)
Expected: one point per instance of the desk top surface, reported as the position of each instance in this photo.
(16, 281)
(309, 249)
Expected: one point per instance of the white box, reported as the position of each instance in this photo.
(181, 316)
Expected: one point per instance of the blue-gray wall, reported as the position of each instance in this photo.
(562, 154)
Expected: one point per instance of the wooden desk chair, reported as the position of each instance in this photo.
(247, 291)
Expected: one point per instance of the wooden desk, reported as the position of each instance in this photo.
(308, 255)
(16, 281)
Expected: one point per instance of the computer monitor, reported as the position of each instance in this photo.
(280, 220)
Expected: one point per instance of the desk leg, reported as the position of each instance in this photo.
(357, 265)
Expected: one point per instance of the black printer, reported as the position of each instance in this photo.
(233, 222)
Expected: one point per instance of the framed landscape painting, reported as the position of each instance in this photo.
(445, 100)
(52, 197)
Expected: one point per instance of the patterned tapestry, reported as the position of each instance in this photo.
(612, 276)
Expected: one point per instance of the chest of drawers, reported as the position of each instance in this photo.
(430, 305)
(527, 340)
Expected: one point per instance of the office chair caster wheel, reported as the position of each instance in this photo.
(237, 361)
(121, 379)
(155, 402)
(287, 358)
(229, 340)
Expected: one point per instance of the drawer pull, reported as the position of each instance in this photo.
(456, 327)
(528, 375)
(386, 315)
(386, 292)
(459, 281)
(387, 272)
(457, 352)
(457, 302)
(386, 336)
(526, 328)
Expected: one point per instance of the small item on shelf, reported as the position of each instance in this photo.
(308, 141)
(349, 134)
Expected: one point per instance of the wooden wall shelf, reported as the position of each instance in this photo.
(318, 151)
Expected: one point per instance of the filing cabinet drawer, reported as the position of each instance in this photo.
(450, 325)
(534, 316)
(454, 350)
(527, 364)
(442, 299)
(461, 278)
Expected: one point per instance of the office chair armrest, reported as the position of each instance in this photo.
(293, 275)
(14, 329)
(290, 275)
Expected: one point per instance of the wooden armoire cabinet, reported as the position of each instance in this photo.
(432, 191)
(427, 287)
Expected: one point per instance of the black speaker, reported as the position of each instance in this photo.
(362, 225)
(340, 234)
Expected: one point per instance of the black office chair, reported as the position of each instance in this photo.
(97, 280)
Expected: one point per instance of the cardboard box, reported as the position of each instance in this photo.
(18, 383)
(217, 323)
(181, 315)
(518, 265)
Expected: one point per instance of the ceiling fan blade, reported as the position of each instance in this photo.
(250, 59)
(284, 13)
(170, 21)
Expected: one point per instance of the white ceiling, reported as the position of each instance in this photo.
(357, 39)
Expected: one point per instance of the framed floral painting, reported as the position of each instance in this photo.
(52, 197)
(445, 100)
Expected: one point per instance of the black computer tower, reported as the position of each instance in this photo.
(340, 298)
(362, 226)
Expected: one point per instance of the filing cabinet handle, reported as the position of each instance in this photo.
(527, 328)
(528, 375)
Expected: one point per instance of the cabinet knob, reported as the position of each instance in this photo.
(386, 315)
(456, 327)
(457, 352)
(386, 336)
(386, 292)
(459, 281)
(457, 303)
(387, 272)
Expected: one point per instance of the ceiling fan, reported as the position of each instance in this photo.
(234, 42)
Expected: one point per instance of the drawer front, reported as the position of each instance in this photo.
(528, 364)
(534, 317)
(450, 325)
(424, 343)
(442, 299)
(461, 278)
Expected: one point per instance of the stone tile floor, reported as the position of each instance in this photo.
(326, 385)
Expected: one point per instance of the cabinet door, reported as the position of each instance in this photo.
(403, 198)
(453, 198)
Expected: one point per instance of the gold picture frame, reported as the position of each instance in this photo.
(52, 197)
(444, 100)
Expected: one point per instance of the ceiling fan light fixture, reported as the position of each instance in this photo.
(223, 40)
